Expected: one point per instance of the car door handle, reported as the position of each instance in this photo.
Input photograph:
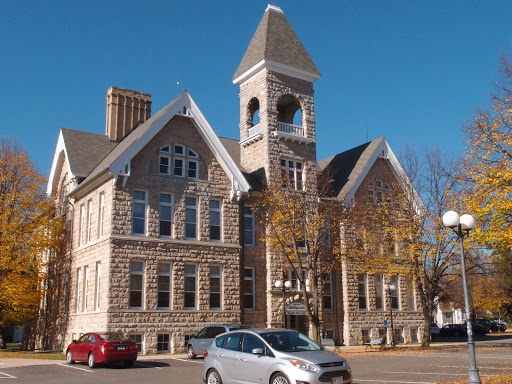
(221, 355)
(243, 359)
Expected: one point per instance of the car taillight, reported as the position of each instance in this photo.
(205, 354)
(106, 346)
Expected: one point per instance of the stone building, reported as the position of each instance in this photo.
(163, 237)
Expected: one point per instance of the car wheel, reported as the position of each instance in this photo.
(128, 364)
(90, 360)
(279, 378)
(213, 377)
(190, 352)
(69, 358)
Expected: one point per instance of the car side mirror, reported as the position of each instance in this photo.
(74, 341)
(257, 351)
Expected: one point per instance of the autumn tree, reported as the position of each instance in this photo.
(402, 232)
(303, 229)
(488, 167)
(27, 232)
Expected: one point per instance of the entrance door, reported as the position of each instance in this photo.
(299, 323)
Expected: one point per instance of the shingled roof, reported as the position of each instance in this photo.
(276, 43)
(85, 150)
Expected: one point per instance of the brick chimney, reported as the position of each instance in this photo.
(126, 109)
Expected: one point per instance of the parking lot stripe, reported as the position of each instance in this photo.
(81, 369)
(428, 373)
(7, 376)
(146, 365)
(394, 381)
(190, 361)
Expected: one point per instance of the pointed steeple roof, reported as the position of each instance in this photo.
(275, 46)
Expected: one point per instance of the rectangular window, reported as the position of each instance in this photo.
(394, 294)
(411, 302)
(361, 282)
(138, 340)
(89, 220)
(136, 284)
(249, 232)
(294, 279)
(139, 212)
(190, 286)
(86, 288)
(82, 225)
(215, 219)
(291, 174)
(178, 167)
(191, 217)
(164, 285)
(165, 162)
(327, 291)
(163, 344)
(215, 286)
(166, 214)
(378, 292)
(249, 288)
(192, 169)
(98, 285)
(101, 214)
(78, 289)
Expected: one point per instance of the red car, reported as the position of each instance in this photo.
(102, 348)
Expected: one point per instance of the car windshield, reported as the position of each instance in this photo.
(112, 336)
(288, 341)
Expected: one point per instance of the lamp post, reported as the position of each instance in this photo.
(389, 289)
(287, 284)
(461, 225)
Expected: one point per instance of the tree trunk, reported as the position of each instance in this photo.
(2, 339)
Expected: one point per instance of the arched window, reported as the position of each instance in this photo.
(179, 161)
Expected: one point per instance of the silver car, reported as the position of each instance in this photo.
(201, 340)
(274, 356)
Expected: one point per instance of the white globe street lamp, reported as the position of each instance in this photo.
(461, 225)
(390, 288)
(284, 287)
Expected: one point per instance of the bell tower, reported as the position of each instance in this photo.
(277, 114)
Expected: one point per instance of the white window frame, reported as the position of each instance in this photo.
(216, 211)
(395, 295)
(193, 275)
(89, 220)
(98, 286)
(86, 287)
(144, 218)
(218, 276)
(294, 279)
(169, 206)
(196, 211)
(160, 343)
(252, 283)
(249, 233)
(291, 167)
(165, 273)
(101, 214)
(165, 153)
(140, 273)
(78, 290)
(82, 225)
(327, 286)
(140, 344)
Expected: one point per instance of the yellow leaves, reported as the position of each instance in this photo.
(27, 228)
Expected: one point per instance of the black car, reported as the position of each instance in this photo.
(493, 327)
(456, 330)
(479, 329)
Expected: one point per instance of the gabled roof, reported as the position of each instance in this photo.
(275, 46)
(348, 169)
(117, 161)
(81, 150)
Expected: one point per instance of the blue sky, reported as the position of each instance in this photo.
(412, 71)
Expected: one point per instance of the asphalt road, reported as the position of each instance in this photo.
(401, 366)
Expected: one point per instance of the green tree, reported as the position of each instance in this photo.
(27, 234)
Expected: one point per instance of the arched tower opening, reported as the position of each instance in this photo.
(253, 112)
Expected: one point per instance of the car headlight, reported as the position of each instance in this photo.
(303, 365)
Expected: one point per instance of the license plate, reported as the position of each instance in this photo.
(121, 348)
(337, 380)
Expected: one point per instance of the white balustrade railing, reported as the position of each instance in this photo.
(290, 129)
(253, 131)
